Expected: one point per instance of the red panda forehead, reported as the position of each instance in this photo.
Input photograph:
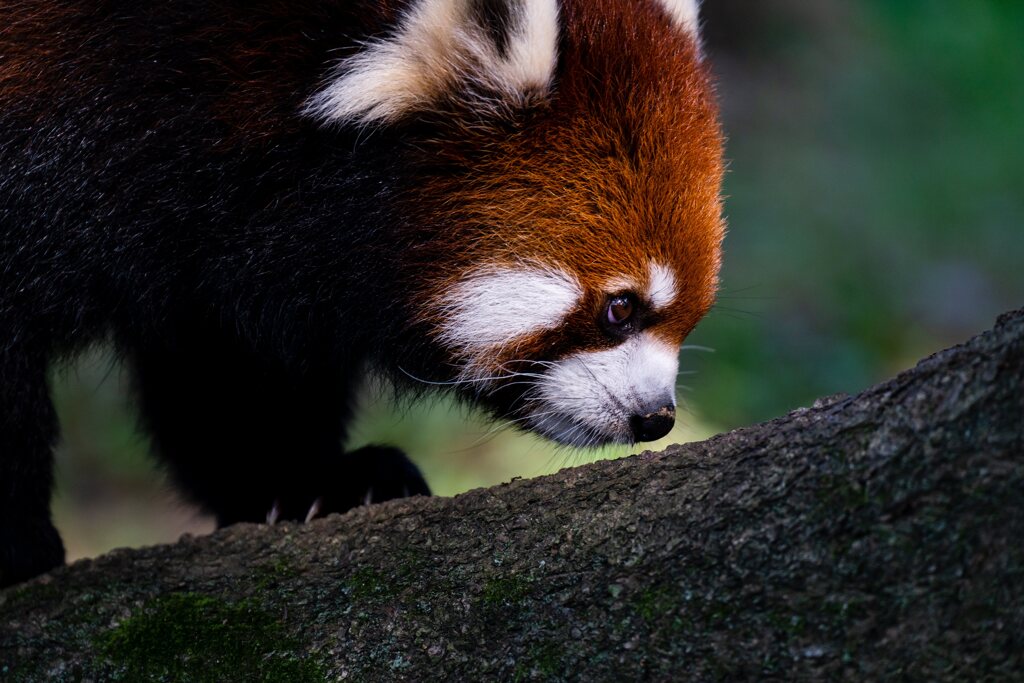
(651, 226)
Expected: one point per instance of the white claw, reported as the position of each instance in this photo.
(368, 498)
(405, 491)
(314, 509)
(275, 513)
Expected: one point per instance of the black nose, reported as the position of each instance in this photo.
(653, 426)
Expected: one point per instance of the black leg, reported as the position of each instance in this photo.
(251, 440)
(29, 544)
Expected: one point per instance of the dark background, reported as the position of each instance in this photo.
(876, 207)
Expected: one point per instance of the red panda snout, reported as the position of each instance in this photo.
(622, 395)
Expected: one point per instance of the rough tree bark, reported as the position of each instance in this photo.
(867, 537)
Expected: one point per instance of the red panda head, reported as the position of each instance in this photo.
(574, 214)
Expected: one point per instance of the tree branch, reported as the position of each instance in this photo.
(871, 536)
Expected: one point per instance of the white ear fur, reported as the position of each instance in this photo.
(686, 14)
(438, 45)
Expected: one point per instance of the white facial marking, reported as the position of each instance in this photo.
(493, 307)
(437, 44)
(589, 397)
(661, 289)
(685, 12)
(661, 285)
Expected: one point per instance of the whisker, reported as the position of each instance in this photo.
(546, 363)
(469, 380)
(696, 347)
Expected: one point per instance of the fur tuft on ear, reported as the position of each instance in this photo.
(505, 50)
(686, 13)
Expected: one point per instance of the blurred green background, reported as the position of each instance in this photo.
(876, 211)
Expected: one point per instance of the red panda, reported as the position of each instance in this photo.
(255, 203)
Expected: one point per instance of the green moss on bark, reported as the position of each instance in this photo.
(186, 636)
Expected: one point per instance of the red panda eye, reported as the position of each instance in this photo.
(620, 310)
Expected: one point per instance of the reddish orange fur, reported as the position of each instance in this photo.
(623, 168)
(33, 41)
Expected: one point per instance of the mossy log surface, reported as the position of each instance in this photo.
(869, 537)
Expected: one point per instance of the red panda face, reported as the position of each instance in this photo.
(576, 222)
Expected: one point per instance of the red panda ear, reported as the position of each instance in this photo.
(685, 13)
(503, 50)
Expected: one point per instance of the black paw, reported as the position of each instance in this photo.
(28, 548)
(385, 473)
(372, 474)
